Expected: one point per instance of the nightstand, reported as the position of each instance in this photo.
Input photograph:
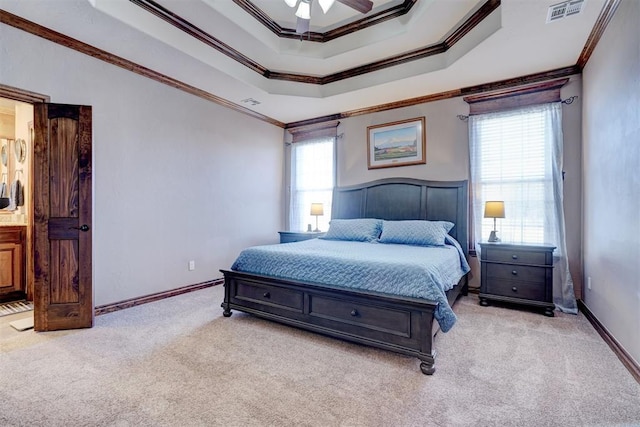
(297, 236)
(520, 274)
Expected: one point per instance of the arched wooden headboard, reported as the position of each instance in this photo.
(405, 199)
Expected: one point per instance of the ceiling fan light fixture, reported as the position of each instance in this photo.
(326, 5)
(291, 3)
(304, 9)
(302, 25)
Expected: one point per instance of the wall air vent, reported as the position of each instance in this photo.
(564, 9)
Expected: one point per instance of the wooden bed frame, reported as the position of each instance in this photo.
(400, 324)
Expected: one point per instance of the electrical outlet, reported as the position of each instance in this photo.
(192, 265)
(589, 282)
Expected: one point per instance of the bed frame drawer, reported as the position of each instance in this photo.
(368, 316)
(269, 295)
(400, 324)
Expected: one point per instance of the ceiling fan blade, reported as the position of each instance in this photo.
(302, 25)
(362, 6)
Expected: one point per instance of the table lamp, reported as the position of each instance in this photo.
(494, 209)
(316, 210)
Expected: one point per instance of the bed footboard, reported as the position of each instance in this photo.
(399, 324)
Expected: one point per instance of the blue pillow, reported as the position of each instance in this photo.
(357, 230)
(422, 233)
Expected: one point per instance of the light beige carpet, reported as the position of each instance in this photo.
(178, 362)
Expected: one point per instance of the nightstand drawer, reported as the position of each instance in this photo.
(516, 272)
(270, 295)
(515, 256)
(516, 289)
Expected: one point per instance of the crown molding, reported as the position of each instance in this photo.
(312, 36)
(603, 20)
(74, 44)
(607, 12)
(500, 85)
(182, 24)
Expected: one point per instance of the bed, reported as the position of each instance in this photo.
(347, 306)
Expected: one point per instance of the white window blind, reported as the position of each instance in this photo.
(312, 181)
(511, 161)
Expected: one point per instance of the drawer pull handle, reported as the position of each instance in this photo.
(514, 289)
(514, 272)
(354, 312)
(266, 295)
(514, 256)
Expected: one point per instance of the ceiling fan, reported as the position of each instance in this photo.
(303, 12)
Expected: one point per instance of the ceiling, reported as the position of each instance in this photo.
(433, 46)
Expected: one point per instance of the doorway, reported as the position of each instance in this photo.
(16, 209)
(56, 214)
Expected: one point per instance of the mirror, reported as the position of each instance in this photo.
(4, 155)
(20, 148)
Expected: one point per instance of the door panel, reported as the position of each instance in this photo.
(62, 217)
(64, 160)
(64, 272)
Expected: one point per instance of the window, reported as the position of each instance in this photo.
(516, 156)
(516, 146)
(512, 161)
(312, 180)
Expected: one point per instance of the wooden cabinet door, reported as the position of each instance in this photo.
(63, 291)
(10, 268)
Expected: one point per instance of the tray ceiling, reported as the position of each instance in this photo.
(218, 47)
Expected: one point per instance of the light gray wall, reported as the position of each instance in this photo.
(611, 182)
(448, 156)
(176, 178)
(447, 146)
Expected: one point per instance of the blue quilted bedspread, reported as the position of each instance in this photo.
(412, 271)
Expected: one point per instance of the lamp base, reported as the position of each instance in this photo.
(316, 230)
(493, 237)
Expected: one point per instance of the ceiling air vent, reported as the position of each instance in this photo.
(250, 101)
(561, 10)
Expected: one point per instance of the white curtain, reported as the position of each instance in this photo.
(312, 181)
(516, 156)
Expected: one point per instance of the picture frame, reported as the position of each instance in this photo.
(400, 143)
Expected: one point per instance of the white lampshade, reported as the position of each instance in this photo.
(291, 3)
(317, 209)
(325, 5)
(494, 209)
(304, 9)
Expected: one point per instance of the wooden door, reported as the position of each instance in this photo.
(63, 294)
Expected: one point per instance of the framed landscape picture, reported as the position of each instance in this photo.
(399, 143)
